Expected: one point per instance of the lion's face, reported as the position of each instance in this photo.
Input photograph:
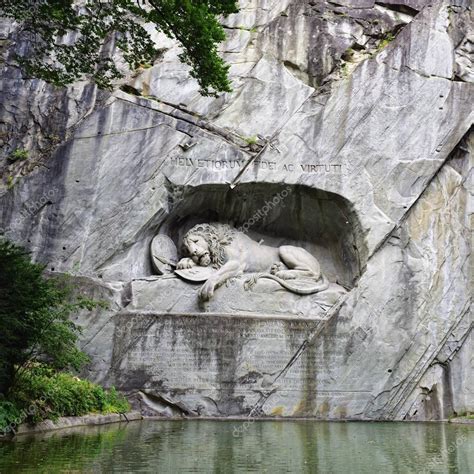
(198, 249)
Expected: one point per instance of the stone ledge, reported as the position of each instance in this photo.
(73, 421)
(462, 421)
(174, 296)
(242, 315)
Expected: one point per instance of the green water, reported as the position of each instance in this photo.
(227, 447)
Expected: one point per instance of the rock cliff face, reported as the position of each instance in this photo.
(362, 111)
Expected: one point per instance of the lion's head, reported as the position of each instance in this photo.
(205, 243)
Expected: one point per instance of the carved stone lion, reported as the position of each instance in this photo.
(232, 253)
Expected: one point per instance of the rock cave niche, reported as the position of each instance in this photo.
(299, 249)
(277, 214)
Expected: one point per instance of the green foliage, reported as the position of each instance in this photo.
(344, 70)
(37, 342)
(18, 154)
(42, 393)
(251, 140)
(9, 414)
(34, 317)
(386, 40)
(10, 182)
(467, 415)
(94, 28)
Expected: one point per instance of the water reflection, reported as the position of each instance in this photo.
(227, 447)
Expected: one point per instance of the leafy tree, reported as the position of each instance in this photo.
(92, 28)
(34, 317)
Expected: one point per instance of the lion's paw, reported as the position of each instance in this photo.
(286, 274)
(185, 263)
(207, 291)
(250, 282)
(276, 267)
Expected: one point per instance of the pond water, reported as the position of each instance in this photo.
(255, 446)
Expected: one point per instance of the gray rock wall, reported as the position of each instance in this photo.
(362, 110)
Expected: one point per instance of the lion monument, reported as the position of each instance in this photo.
(232, 253)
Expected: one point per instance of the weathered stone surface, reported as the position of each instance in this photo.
(265, 298)
(365, 135)
(66, 422)
(215, 365)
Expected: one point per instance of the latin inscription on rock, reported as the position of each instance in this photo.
(220, 165)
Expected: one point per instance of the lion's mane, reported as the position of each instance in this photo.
(217, 237)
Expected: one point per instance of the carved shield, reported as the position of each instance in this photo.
(164, 254)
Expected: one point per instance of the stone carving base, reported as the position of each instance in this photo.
(211, 365)
(172, 295)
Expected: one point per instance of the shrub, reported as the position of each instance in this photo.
(18, 154)
(41, 393)
(386, 40)
(251, 140)
(34, 317)
(9, 413)
(37, 345)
